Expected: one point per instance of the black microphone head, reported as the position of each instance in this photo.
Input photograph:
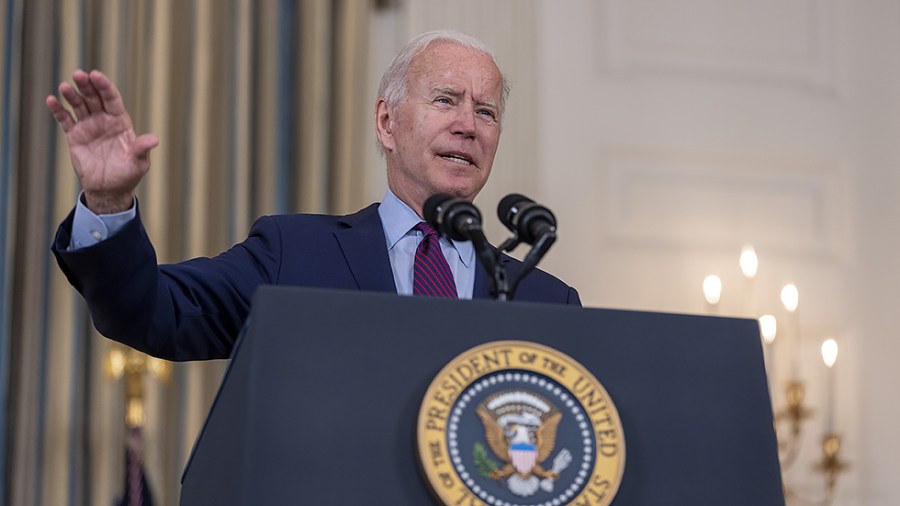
(509, 207)
(451, 216)
(526, 218)
(432, 208)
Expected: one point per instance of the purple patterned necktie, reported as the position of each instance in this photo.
(431, 274)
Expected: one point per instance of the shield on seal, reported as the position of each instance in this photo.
(523, 457)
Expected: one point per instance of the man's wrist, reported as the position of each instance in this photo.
(89, 228)
(104, 203)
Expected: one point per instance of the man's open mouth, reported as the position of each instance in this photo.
(460, 158)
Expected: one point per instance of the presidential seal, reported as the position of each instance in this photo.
(514, 423)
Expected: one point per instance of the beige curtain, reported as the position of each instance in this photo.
(259, 105)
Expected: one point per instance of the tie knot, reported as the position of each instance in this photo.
(426, 229)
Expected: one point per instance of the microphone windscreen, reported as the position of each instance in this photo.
(507, 204)
(432, 206)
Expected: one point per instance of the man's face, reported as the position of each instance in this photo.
(443, 136)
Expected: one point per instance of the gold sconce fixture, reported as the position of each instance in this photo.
(132, 365)
(791, 418)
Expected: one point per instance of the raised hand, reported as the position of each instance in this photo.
(107, 156)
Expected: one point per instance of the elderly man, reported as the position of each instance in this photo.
(438, 121)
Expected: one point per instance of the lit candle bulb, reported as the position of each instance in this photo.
(829, 356)
(768, 327)
(712, 289)
(790, 298)
(749, 263)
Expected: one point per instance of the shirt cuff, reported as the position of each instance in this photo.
(89, 229)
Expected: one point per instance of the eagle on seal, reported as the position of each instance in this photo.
(522, 436)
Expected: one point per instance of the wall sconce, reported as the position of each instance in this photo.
(831, 464)
(133, 365)
(793, 415)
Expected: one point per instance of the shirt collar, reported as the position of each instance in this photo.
(398, 219)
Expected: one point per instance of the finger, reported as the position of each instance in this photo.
(75, 100)
(88, 92)
(142, 145)
(111, 99)
(60, 114)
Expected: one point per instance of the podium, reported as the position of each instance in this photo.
(320, 402)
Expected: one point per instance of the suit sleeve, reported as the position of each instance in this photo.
(192, 310)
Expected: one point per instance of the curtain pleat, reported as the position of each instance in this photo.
(260, 108)
(349, 102)
(7, 216)
(30, 338)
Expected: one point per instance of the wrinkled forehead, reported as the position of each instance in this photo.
(447, 64)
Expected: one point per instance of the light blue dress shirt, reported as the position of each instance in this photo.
(397, 218)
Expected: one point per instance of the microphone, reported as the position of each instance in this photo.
(460, 220)
(531, 223)
(456, 218)
(527, 219)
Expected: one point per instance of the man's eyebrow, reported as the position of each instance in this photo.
(487, 103)
(446, 90)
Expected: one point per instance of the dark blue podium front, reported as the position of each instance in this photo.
(320, 402)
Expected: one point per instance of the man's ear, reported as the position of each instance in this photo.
(384, 124)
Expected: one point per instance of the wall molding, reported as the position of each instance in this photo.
(686, 199)
(711, 40)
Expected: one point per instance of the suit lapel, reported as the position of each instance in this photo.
(482, 289)
(363, 245)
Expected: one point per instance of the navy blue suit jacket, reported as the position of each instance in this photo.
(195, 309)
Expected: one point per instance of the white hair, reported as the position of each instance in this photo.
(393, 85)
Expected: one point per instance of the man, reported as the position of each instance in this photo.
(438, 121)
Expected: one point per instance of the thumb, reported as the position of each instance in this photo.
(142, 145)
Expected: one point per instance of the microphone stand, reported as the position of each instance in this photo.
(537, 252)
(490, 258)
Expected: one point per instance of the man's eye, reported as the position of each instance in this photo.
(488, 113)
(443, 100)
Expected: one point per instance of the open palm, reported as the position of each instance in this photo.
(108, 158)
(102, 155)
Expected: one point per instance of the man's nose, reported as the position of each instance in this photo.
(464, 121)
